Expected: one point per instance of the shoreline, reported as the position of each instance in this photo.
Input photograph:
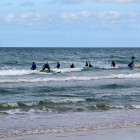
(127, 133)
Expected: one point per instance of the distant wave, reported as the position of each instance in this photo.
(84, 78)
(25, 72)
(109, 67)
(16, 72)
(37, 62)
(50, 62)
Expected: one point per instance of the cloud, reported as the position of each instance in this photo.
(103, 19)
(81, 1)
(83, 19)
(84, 15)
(30, 18)
(27, 3)
(9, 17)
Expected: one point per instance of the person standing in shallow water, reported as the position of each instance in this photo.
(72, 66)
(133, 57)
(33, 66)
(46, 66)
(86, 64)
(131, 64)
(113, 63)
(58, 65)
(90, 65)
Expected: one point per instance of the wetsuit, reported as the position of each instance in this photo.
(72, 66)
(58, 65)
(113, 64)
(90, 65)
(86, 64)
(131, 64)
(46, 66)
(133, 57)
(33, 66)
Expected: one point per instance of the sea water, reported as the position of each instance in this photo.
(74, 99)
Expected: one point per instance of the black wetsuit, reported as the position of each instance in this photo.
(90, 65)
(72, 66)
(86, 64)
(113, 64)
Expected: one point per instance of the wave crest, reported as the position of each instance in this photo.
(120, 76)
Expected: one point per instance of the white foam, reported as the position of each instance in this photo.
(13, 111)
(62, 130)
(31, 104)
(136, 106)
(16, 72)
(25, 72)
(66, 100)
(84, 78)
(10, 104)
(67, 70)
(109, 67)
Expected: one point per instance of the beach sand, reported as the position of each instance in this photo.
(132, 133)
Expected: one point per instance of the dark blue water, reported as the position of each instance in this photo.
(83, 98)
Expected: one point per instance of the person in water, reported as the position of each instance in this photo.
(86, 64)
(90, 65)
(113, 63)
(131, 64)
(33, 66)
(133, 57)
(58, 65)
(46, 66)
(72, 66)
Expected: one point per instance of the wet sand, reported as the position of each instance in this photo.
(132, 133)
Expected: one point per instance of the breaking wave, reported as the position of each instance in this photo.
(59, 105)
(48, 79)
(16, 72)
(26, 72)
(67, 70)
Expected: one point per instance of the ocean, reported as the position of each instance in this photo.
(72, 100)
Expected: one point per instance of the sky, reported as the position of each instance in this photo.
(70, 23)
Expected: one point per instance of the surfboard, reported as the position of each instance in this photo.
(138, 66)
(81, 67)
(85, 67)
(51, 72)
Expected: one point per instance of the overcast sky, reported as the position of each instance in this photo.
(70, 23)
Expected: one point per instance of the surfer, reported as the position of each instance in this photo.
(46, 66)
(113, 63)
(86, 64)
(90, 65)
(133, 57)
(58, 65)
(33, 66)
(72, 66)
(131, 64)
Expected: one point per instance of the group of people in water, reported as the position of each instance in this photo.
(131, 64)
(88, 65)
(46, 65)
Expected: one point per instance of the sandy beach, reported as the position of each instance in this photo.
(105, 134)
